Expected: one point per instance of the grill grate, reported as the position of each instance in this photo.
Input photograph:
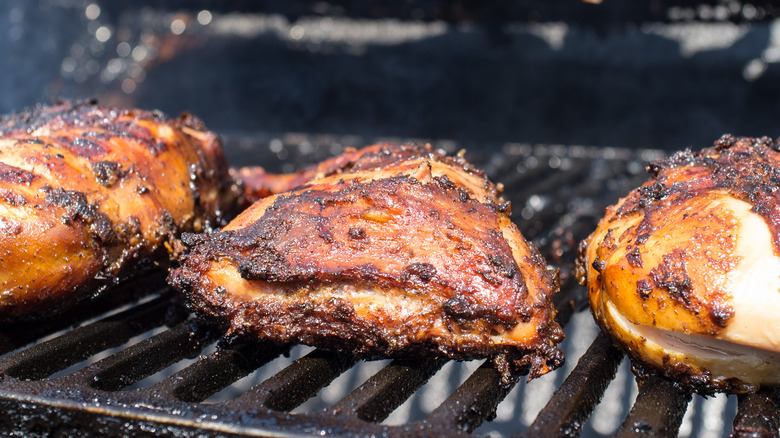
(119, 341)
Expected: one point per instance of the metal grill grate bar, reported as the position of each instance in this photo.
(214, 372)
(298, 382)
(574, 401)
(79, 344)
(658, 410)
(376, 398)
(134, 363)
(21, 334)
(475, 400)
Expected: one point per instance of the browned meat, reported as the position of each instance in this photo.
(90, 195)
(256, 183)
(401, 251)
(684, 272)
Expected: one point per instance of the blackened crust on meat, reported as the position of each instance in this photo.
(402, 264)
(279, 248)
(258, 184)
(670, 256)
(748, 168)
(72, 171)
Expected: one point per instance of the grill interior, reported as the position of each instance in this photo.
(135, 361)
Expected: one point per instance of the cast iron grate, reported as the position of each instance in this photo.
(79, 375)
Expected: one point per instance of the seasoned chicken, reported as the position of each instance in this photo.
(684, 272)
(401, 251)
(256, 183)
(90, 195)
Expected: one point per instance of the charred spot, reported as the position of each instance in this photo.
(504, 266)
(720, 313)
(599, 265)
(107, 173)
(463, 195)
(489, 277)
(99, 135)
(644, 287)
(166, 225)
(265, 263)
(15, 175)
(459, 308)
(671, 275)
(465, 310)
(12, 198)
(141, 189)
(341, 309)
(725, 141)
(101, 228)
(192, 239)
(74, 201)
(78, 209)
(652, 192)
(356, 233)
(763, 142)
(84, 146)
(130, 228)
(654, 168)
(634, 258)
(444, 182)
(505, 207)
(323, 230)
(580, 265)
(418, 272)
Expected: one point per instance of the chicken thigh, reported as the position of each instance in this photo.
(684, 272)
(90, 195)
(386, 251)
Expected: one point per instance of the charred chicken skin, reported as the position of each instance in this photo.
(89, 195)
(256, 183)
(390, 250)
(684, 272)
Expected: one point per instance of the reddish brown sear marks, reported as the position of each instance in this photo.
(14, 175)
(417, 263)
(672, 276)
(748, 168)
(83, 228)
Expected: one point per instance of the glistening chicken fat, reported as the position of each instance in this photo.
(90, 195)
(386, 251)
(684, 272)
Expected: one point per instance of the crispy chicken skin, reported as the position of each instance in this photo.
(402, 250)
(684, 272)
(90, 195)
(256, 183)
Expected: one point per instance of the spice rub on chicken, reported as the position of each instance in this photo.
(90, 195)
(684, 272)
(398, 250)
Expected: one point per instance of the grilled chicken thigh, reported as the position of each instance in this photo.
(89, 195)
(256, 183)
(684, 272)
(389, 250)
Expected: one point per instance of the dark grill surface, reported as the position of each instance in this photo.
(135, 362)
